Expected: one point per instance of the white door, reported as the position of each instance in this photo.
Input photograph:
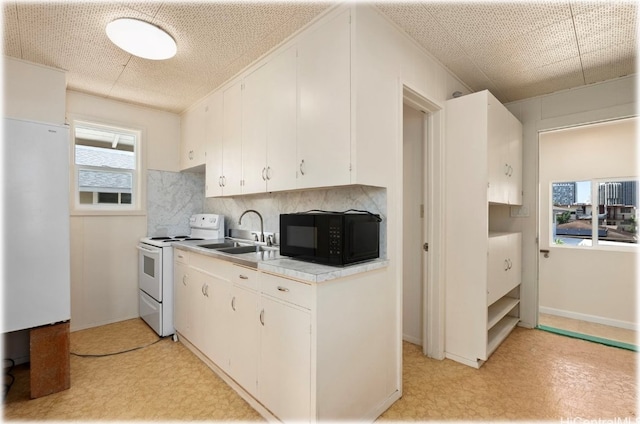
(413, 217)
(588, 255)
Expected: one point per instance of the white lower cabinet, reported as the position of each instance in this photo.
(244, 338)
(284, 377)
(295, 351)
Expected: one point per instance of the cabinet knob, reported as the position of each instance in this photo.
(233, 303)
(283, 289)
(190, 154)
(268, 173)
(262, 317)
(302, 167)
(243, 277)
(264, 176)
(184, 279)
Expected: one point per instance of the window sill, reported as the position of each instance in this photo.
(107, 212)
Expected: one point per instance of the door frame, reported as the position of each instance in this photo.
(433, 183)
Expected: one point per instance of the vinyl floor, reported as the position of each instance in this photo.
(533, 375)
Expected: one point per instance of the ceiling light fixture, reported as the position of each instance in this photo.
(141, 39)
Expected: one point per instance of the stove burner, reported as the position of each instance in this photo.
(160, 238)
(180, 237)
(193, 238)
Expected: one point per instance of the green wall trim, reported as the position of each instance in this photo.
(589, 338)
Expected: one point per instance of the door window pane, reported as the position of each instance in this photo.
(575, 218)
(617, 207)
(571, 213)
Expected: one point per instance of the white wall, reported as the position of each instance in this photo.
(104, 259)
(385, 61)
(592, 103)
(34, 92)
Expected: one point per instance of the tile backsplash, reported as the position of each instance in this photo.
(172, 197)
(271, 205)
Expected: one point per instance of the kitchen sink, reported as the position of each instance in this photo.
(224, 245)
(244, 249)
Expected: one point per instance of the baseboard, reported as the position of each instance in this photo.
(411, 339)
(79, 327)
(589, 318)
(472, 363)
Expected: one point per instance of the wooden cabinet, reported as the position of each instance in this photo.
(483, 265)
(324, 104)
(192, 137)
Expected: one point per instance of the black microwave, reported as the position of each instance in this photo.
(331, 238)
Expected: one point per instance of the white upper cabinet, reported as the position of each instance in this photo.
(254, 131)
(231, 178)
(504, 139)
(192, 143)
(280, 171)
(213, 144)
(324, 104)
(269, 125)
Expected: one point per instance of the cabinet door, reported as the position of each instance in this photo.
(180, 299)
(281, 122)
(504, 265)
(255, 103)
(216, 320)
(192, 141)
(497, 167)
(197, 306)
(284, 381)
(232, 140)
(213, 144)
(324, 105)
(514, 152)
(244, 338)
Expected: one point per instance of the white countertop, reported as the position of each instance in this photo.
(317, 273)
(273, 263)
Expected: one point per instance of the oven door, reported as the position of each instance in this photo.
(150, 270)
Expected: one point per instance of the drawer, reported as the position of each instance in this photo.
(245, 277)
(181, 256)
(211, 266)
(288, 290)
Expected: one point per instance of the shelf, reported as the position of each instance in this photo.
(499, 309)
(500, 331)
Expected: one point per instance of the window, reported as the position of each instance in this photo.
(106, 167)
(576, 220)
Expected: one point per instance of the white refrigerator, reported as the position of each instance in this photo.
(36, 288)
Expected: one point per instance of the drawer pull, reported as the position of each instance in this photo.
(233, 303)
(283, 289)
(243, 277)
(262, 317)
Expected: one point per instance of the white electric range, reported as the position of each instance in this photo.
(155, 270)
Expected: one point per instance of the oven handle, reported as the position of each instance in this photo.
(144, 249)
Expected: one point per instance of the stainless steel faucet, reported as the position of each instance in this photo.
(261, 222)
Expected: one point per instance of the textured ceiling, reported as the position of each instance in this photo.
(516, 50)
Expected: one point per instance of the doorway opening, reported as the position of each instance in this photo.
(413, 231)
(588, 233)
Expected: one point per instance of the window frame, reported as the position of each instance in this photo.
(138, 188)
(595, 240)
